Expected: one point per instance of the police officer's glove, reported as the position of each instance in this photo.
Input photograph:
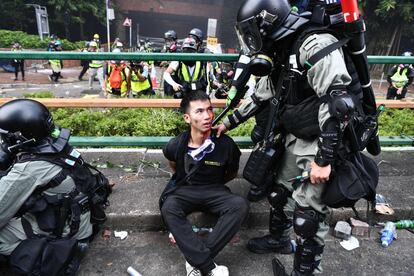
(231, 95)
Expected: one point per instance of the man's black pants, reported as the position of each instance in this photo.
(231, 210)
(392, 93)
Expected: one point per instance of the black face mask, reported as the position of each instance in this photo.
(189, 63)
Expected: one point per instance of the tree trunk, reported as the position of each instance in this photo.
(389, 48)
(81, 28)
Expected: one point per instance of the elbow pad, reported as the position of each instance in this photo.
(341, 105)
(242, 73)
(328, 143)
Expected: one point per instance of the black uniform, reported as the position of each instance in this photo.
(204, 191)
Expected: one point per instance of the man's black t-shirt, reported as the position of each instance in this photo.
(215, 167)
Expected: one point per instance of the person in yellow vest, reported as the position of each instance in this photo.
(116, 78)
(55, 64)
(95, 67)
(17, 63)
(191, 75)
(399, 78)
(96, 39)
(139, 80)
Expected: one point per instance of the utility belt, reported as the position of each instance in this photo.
(52, 211)
(90, 193)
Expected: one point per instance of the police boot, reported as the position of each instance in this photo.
(277, 241)
(305, 261)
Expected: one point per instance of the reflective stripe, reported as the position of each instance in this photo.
(138, 86)
(54, 62)
(186, 75)
(95, 64)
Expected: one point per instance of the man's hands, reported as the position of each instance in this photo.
(319, 174)
(177, 87)
(221, 128)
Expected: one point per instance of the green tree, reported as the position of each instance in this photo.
(389, 24)
(15, 15)
(69, 12)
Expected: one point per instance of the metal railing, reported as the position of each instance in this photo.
(161, 56)
(160, 141)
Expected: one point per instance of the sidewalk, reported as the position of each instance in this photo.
(140, 175)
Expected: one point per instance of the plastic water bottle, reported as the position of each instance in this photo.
(404, 224)
(132, 272)
(388, 234)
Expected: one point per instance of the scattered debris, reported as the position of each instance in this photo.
(106, 234)
(121, 234)
(172, 239)
(342, 230)
(132, 272)
(235, 240)
(350, 244)
(388, 234)
(359, 228)
(382, 206)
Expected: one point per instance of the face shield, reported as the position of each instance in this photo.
(249, 36)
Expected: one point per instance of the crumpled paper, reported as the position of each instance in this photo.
(350, 244)
(121, 234)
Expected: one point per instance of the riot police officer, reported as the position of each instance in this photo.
(317, 98)
(45, 212)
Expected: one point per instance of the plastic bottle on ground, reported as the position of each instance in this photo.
(404, 224)
(388, 234)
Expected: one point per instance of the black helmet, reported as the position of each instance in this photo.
(170, 34)
(265, 20)
(31, 118)
(197, 34)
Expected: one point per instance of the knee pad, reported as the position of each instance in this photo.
(278, 196)
(306, 221)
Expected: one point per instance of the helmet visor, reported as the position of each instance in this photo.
(249, 36)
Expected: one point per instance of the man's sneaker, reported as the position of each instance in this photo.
(219, 270)
(191, 270)
(269, 243)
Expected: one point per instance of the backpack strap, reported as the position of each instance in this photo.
(324, 52)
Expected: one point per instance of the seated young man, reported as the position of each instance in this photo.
(203, 164)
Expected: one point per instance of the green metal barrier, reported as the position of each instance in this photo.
(161, 56)
(155, 141)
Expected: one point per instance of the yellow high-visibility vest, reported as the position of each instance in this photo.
(196, 75)
(400, 79)
(137, 85)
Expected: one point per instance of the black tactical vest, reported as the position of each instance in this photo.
(299, 114)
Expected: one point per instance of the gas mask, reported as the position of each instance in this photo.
(251, 40)
(10, 144)
(6, 158)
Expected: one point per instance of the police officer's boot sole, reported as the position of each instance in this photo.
(267, 244)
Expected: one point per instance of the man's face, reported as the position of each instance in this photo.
(199, 115)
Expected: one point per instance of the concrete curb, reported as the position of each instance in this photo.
(134, 203)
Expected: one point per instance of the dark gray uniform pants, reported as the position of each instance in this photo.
(231, 210)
